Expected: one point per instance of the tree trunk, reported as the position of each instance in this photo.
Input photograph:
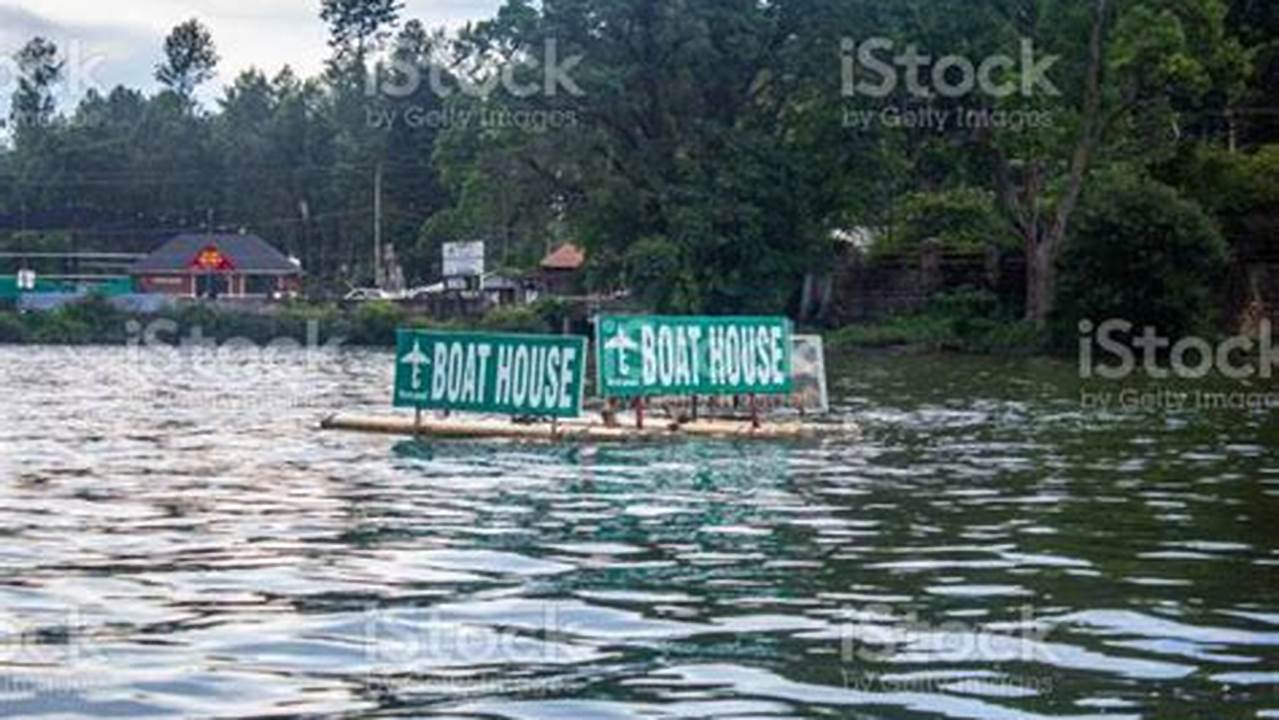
(1043, 240)
(1041, 276)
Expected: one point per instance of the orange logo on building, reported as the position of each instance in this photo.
(211, 258)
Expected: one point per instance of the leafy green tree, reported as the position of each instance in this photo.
(190, 58)
(357, 26)
(961, 219)
(683, 133)
(1130, 70)
(703, 151)
(1140, 252)
(39, 70)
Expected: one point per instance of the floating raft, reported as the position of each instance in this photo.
(578, 431)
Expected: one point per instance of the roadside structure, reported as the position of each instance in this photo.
(218, 266)
(562, 270)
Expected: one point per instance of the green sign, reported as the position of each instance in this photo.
(539, 375)
(644, 356)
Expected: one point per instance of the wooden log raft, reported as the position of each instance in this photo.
(584, 431)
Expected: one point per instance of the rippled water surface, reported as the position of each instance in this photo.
(178, 539)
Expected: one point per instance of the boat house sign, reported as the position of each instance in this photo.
(523, 375)
(646, 356)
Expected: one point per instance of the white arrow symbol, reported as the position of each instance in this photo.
(621, 343)
(416, 360)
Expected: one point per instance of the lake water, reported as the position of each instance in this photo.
(178, 539)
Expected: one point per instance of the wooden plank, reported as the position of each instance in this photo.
(578, 431)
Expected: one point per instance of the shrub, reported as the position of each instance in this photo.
(965, 320)
(515, 318)
(1140, 252)
(962, 219)
(58, 328)
(1230, 183)
(553, 311)
(375, 323)
(658, 272)
(12, 329)
(93, 318)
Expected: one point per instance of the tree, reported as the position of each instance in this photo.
(1140, 252)
(685, 133)
(190, 58)
(358, 26)
(1143, 65)
(39, 70)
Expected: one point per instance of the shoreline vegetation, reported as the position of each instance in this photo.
(966, 322)
(95, 321)
(747, 151)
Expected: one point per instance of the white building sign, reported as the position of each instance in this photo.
(26, 279)
(463, 259)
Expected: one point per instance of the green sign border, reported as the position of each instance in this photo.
(601, 389)
(575, 341)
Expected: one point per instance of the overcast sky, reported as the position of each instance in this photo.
(120, 41)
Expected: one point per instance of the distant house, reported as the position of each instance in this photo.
(562, 269)
(217, 265)
(499, 290)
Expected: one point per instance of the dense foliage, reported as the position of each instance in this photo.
(704, 152)
(1141, 253)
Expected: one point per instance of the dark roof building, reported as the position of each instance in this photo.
(217, 265)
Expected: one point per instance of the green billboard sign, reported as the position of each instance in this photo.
(539, 375)
(645, 356)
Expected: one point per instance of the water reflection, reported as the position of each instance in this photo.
(990, 549)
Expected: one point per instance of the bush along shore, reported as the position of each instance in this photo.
(95, 321)
(967, 321)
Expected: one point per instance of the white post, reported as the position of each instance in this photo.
(377, 227)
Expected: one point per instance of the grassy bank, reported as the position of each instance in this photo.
(969, 322)
(963, 322)
(94, 321)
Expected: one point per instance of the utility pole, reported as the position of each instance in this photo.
(377, 226)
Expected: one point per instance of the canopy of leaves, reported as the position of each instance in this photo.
(1141, 252)
(702, 151)
(190, 58)
(964, 219)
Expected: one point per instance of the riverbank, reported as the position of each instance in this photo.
(936, 333)
(971, 322)
(95, 321)
(961, 324)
